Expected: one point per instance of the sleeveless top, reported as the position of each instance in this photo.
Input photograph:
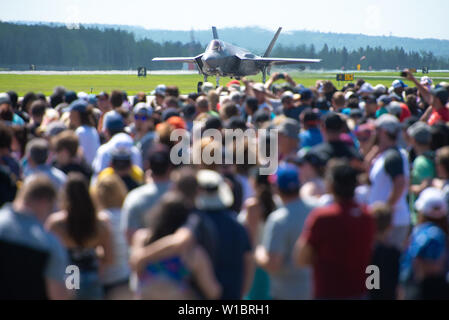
(166, 279)
(84, 258)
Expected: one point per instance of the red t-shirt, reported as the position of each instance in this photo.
(441, 114)
(405, 114)
(342, 237)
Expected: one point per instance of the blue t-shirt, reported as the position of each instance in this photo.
(26, 234)
(310, 137)
(232, 243)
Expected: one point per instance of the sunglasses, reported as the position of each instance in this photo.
(140, 117)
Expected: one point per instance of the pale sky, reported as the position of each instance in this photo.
(412, 18)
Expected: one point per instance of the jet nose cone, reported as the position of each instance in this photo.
(211, 61)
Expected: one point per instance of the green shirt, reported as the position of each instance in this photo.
(423, 169)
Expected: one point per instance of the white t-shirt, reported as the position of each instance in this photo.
(382, 183)
(89, 141)
(103, 156)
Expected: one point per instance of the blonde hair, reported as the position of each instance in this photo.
(109, 192)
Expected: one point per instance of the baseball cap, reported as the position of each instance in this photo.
(83, 95)
(388, 123)
(364, 131)
(4, 99)
(70, 96)
(177, 122)
(442, 94)
(426, 81)
(143, 109)
(233, 82)
(394, 96)
(370, 99)
(92, 99)
(380, 89)
(287, 178)
(79, 105)
(159, 90)
(259, 87)
(169, 112)
(306, 94)
(399, 84)
(289, 127)
(188, 111)
(206, 87)
(421, 132)
(366, 88)
(394, 108)
(217, 195)
(333, 121)
(431, 203)
(114, 121)
(384, 99)
(287, 95)
(54, 127)
(261, 116)
(311, 157)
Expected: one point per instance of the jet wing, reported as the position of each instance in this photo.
(176, 59)
(283, 61)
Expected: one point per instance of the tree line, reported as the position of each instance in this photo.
(92, 48)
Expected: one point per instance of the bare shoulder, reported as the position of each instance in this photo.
(140, 237)
(56, 220)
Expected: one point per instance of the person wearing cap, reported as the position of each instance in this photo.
(116, 138)
(258, 91)
(366, 90)
(121, 164)
(423, 167)
(311, 135)
(37, 152)
(288, 106)
(142, 199)
(81, 120)
(144, 128)
(389, 176)
(383, 102)
(159, 96)
(7, 112)
(311, 167)
(288, 138)
(398, 88)
(436, 99)
(423, 266)
(282, 227)
(339, 262)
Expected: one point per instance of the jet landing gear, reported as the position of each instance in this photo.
(217, 79)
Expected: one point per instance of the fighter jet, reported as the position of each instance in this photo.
(222, 59)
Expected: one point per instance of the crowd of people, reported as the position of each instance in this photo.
(93, 206)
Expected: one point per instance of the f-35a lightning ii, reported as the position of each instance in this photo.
(222, 59)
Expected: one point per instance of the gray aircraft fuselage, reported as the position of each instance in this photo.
(224, 59)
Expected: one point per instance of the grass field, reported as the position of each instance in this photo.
(23, 83)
